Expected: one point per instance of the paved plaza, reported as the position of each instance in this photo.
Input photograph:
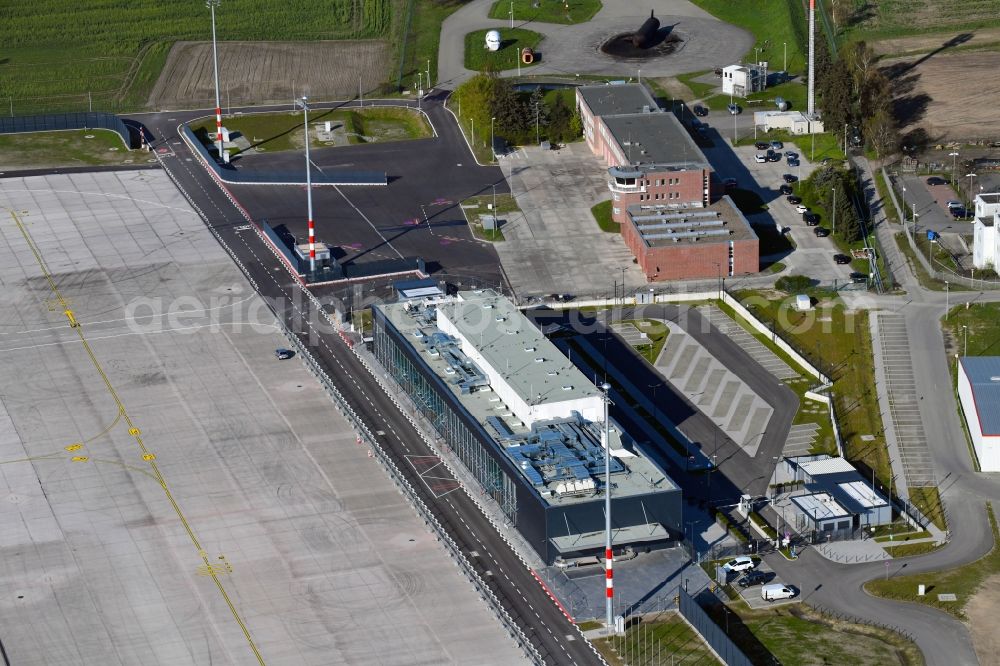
(170, 492)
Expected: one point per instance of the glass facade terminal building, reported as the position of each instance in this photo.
(526, 424)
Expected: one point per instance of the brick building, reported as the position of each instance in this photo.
(662, 189)
(671, 244)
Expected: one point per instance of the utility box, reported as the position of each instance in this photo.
(225, 135)
(803, 303)
(328, 126)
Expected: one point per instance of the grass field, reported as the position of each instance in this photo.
(565, 11)
(982, 322)
(56, 52)
(647, 643)
(963, 581)
(839, 342)
(283, 131)
(798, 636)
(602, 215)
(885, 18)
(66, 149)
(774, 23)
(476, 206)
(423, 39)
(512, 41)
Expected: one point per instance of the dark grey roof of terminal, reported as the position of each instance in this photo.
(661, 225)
(611, 100)
(655, 138)
(984, 377)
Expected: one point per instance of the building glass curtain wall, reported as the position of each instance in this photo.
(447, 423)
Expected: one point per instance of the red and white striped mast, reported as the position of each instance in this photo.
(212, 4)
(304, 103)
(811, 74)
(608, 554)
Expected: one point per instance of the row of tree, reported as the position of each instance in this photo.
(520, 117)
(854, 92)
(836, 190)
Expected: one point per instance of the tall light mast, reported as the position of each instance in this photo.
(304, 103)
(811, 105)
(212, 4)
(608, 554)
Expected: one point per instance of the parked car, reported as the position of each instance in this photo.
(773, 156)
(777, 145)
(793, 161)
(789, 178)
(700, 110)
(776, 591)
(752, 578)
(936, 180)
(730, 183)
(811, 219)
(953, 203)
(760, 158)
(734, 109)
(283, 354)
(762, 145)
(785, 189)
(739, 564)
(801, 208)
(791, 154)
(792, 199)
(859, 278)
(841, 259)
(821, 232)
(959, 213)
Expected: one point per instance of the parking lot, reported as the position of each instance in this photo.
(812, 256)
(752, 594)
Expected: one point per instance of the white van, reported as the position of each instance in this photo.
(776, 591)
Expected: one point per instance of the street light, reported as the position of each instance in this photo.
(493, 150)
(953, 155)
(212, 4)
(965, 330)
(970, 176)
(834, 209)
(608, 554)
(304, 103)
(946, 293)
(511, 14)
(784, 68)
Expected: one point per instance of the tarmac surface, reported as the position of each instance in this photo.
(172, 492)
(705, 43)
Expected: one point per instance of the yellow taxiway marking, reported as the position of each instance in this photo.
(136, 434)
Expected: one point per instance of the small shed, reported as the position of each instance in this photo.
(821, 512)
(803, 303)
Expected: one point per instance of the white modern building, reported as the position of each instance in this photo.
(794, 122)
(525, 370)
(986, 243)
(741, 80)
(979, 393)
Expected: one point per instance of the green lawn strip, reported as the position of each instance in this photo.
(796, 635)
(912, 549)
(759, 521)
(840, 342)
(657, 333)
(547, 11)
(511, 43)
(928, 500)
(276, 132)
(776, 267)
(962, 581)
(923, 277)
(814, 147)
(905, 534)
(424, 38)
(981, 321)
(653, 637)
(883, 193)
(473, 207)
(773, 23)
(589, 624)
(697, 88)
(793, 92)
(66, 148)
(602, 215)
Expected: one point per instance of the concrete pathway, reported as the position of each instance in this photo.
(573, 50)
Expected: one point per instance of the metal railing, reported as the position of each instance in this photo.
(66, 121)
(713, 634)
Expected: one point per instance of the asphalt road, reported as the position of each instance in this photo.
(740, 473)
(417, 214)
(543, 623)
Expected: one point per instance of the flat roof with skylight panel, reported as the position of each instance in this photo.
(664, 225)
(561, 458)
(820, 506)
